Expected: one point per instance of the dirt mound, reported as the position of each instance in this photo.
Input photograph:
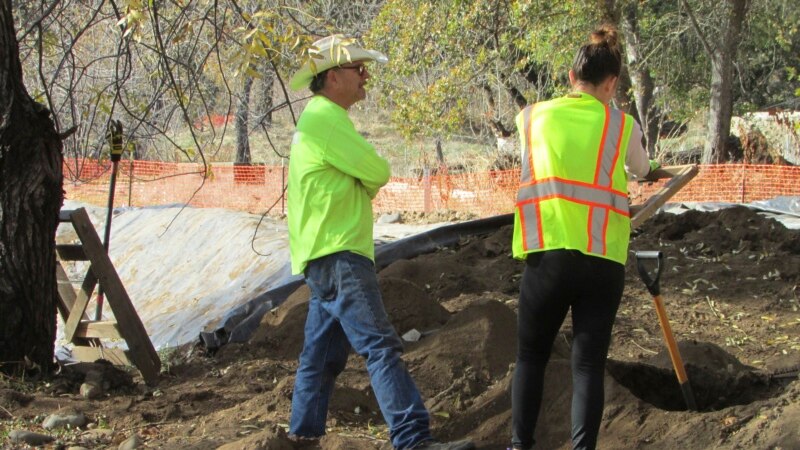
(732, 229)
(474, 348)
(478, 265)
(487, 416)
(409, 307)
(280, 335)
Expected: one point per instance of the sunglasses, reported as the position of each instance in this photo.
(362, 69)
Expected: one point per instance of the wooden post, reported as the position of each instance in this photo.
(426, 183)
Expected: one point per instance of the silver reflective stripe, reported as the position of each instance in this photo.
(575, 192)
(525, 176)
(609, 147)
(530, 216)
(597, 233)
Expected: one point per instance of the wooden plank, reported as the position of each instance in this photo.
(71, 252)
(141, 349)
(116, 356)
(78, 310)
(679, 176)
(105, 329)
(66, 293)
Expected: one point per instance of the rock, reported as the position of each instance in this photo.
(390, 218)
(412, 335)
(29, 438)
(100, 373)
(77, 448)
(14, 398)
(91, 390)
(130, 443)
(53, 421)
(98, 434)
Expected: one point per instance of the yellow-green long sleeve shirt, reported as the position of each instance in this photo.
(334, 174)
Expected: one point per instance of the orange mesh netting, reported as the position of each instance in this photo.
(255, 188)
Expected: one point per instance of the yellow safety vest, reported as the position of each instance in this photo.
(573, 190)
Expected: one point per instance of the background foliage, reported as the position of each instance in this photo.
(178, 72)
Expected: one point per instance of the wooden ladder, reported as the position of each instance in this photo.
(84, 333)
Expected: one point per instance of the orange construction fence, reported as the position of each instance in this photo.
(256, 188)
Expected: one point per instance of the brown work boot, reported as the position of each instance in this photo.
(302, 442)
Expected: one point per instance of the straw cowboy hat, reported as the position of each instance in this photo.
(328, 52)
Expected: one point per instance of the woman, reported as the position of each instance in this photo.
(572, 227)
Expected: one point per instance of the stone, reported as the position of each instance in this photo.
(30, 438)
(98, 434)
(412, 335)
(91, 390)
(131, 443)
(54, 421)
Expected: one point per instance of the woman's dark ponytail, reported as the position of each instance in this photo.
(600, 58)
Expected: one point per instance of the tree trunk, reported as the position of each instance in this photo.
(721, 104)
(719, 114)
(610, 13)
(30, 199)
(242, 123)
(641, 81)
(264, 105)
(622, 98)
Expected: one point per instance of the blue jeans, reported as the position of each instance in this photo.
(346, 309)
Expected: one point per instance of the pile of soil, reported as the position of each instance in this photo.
(729, 284)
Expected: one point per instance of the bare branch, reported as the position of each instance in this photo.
(700, 35)
(35, 24)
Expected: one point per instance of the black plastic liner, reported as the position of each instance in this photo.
(241, 322)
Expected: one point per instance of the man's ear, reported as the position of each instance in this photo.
(331, 77)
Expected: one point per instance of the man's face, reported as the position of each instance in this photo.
(352, 79)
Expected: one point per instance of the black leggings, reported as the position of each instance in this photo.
(553, 282)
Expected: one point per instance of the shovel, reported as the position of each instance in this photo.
(655, 291)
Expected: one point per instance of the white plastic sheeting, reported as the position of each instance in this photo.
(185, 268)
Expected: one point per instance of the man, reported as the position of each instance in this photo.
(334, 173)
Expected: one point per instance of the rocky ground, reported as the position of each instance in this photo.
(730, 287)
